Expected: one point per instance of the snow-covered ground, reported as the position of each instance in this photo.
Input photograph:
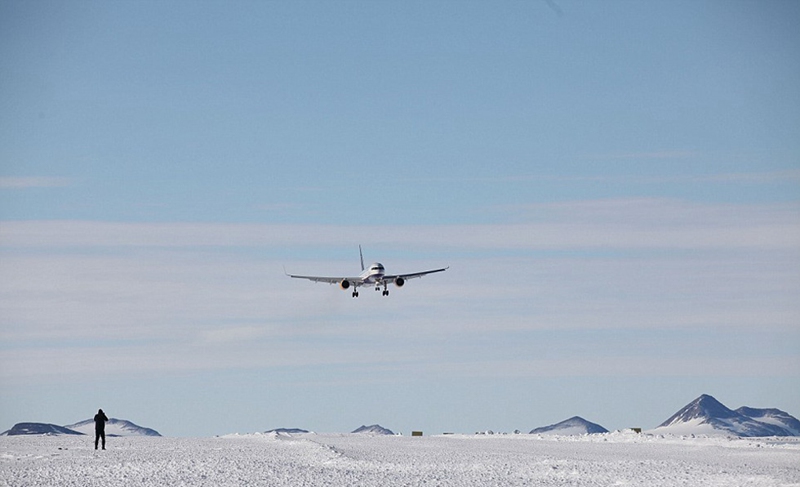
(348, 459)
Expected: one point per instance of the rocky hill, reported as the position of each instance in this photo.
(39, 429)
(114, 427)
(375, 429)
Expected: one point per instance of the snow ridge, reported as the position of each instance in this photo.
(290, 431)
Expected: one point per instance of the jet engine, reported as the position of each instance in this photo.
(399, 282)
(345, 284)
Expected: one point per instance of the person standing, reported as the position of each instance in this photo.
(100, 428)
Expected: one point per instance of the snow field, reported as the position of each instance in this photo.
(346, 460)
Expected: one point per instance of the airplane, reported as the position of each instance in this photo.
(375, 275)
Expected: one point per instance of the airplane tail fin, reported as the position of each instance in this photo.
(362, 258)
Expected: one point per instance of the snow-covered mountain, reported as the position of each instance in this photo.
(773, 416)
(706, 415)
(375, 429)
(572, 426)
(114, 427)
(39, 429)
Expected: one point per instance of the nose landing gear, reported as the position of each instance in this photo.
(385, 290)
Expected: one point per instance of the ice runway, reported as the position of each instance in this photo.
(348, 460)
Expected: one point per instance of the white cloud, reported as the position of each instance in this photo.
(203, 296)
(663, 154)
(792, 175)
(631, 365)
(604, 224)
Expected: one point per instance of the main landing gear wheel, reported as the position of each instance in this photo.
(386, 293)
(355, 294)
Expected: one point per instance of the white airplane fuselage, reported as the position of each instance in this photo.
(374, 275)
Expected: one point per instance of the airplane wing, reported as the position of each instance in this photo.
(412, 275)
(329, 280)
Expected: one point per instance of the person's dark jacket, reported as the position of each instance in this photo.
(100, 421)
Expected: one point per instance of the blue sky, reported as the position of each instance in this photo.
(614, 185)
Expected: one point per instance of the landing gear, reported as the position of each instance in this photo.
(355, 294)
(385, 290)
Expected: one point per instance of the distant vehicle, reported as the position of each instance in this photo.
(375, 275)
